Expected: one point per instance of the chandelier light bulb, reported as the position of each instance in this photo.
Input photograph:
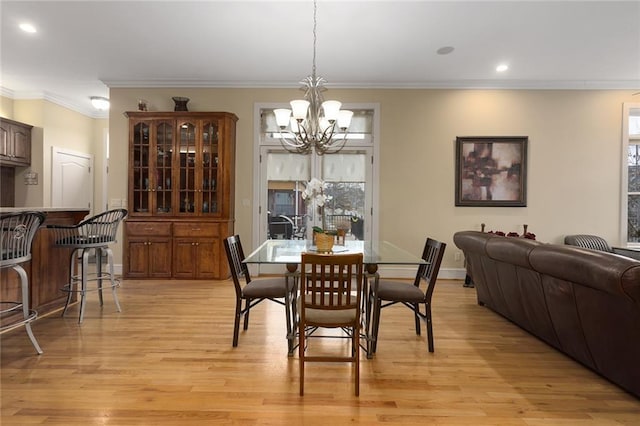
(331, 109)
(299, 108)
(282, 117)
(344, 119)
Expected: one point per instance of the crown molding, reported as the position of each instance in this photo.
(53, 98)
(7, 93)
(435, 84)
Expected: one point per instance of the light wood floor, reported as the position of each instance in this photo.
(167, 360)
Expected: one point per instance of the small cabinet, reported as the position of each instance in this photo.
(15, 143)
(148, 250)
(181, 171)
(195, 247)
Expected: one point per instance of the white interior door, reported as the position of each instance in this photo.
(72, 179)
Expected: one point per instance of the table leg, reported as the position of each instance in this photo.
(291, 307)
(369, 296)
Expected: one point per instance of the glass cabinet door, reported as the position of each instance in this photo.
(187, 178)
(141, 167)
(210, 179)
(163, 178)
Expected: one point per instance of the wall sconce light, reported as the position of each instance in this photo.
(100, 103)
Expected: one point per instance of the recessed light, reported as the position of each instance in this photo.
(502, 67)
(445, 50)
(100, 103)
(27, 27)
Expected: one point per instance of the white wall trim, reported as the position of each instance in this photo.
(391, 271)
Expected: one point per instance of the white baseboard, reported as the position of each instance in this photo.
(392, 271)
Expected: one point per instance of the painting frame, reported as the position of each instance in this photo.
(491, 171)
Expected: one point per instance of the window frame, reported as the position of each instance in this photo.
(627, 140)
(370, 143)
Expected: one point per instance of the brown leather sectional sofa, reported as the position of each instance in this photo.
(582, 302)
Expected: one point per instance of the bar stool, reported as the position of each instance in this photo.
(95, 233)
(16, 236)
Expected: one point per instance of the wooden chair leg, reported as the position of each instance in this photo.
(416, 316)
(301, 344)
(356, 347)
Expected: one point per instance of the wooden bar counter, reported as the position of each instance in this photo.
(48, 270)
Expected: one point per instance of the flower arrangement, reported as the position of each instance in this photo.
(525, 234)
(314, 191)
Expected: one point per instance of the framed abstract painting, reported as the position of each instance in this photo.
(491, 171)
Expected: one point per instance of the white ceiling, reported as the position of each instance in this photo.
(84, 47)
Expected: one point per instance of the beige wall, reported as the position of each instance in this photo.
(100, 132)
(54, 126)
(6, 107)
(574, 156)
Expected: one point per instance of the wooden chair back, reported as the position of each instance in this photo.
(331, 282)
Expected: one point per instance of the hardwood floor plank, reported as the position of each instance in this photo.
(167, 359)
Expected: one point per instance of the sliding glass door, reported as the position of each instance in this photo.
(282, 213)
(287, 215)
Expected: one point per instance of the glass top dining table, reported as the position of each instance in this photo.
(375, 253)
(288, 252)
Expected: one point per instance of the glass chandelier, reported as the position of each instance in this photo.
(312, 122)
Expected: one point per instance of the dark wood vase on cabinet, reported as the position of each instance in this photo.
(180, 195)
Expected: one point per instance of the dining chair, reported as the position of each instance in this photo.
(93, 235)
(330, 294)
(253, 292)
(17, 231)
(390, 292)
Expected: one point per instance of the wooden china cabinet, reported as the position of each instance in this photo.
(180, 195)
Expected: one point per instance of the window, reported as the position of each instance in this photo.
(631, 175)
(349, 175)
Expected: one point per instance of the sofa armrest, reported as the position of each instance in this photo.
(634, 254)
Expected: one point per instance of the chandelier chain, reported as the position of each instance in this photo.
(316, 122)
(315, 38)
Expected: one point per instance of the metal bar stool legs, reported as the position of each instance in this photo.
(17, 231)
(94, 233)
(28, 315)
(114, 283)
(78, 282)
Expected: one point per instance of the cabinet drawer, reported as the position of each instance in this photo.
(195, 230)
(146, 229)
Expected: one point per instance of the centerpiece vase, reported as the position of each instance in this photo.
(324, 242)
